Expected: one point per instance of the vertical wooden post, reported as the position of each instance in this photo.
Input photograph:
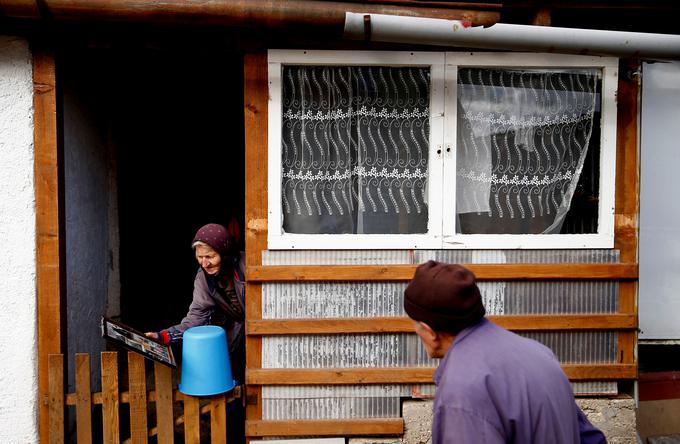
(627, 195)
(218, 419)
(56, 398)
(137, 397)
(47, 222)
(110, 402)
(83, 399)
(256, 95)
(164, 414)
(191, 420)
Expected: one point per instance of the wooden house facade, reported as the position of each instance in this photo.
(335, 224)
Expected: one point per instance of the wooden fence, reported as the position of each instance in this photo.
(138, 399)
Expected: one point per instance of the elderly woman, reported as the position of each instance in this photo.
(219, 293)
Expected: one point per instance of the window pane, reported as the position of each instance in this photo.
(354, 149)
(524, 139)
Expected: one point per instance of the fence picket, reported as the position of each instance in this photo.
(55, 364)
(83, 399)
(218, 420)
(110, 417)
(137, 398)
(164, 413)
(191, 420)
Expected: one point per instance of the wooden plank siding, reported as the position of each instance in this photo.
(327, 427)
(405, 325)
(624, 322)
(410, 375)
(483, 272)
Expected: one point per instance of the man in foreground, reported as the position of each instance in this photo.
(493, 386)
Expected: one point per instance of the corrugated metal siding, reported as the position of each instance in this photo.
(351, 299)
(380, 299)
(332, 402)
(351, 351)
(406, 257)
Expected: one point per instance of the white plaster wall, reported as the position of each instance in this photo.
(18, 341)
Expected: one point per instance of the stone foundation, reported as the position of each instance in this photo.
(614, 416)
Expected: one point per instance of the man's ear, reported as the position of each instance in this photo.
(431, 335)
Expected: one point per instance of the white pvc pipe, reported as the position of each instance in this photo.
(430, 31)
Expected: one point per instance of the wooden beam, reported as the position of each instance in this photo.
(627, 206)
(484, 272)
(405, 325)
(265, 14)
(256, 93)
(410, 375)
(46, 170)
(328, 427)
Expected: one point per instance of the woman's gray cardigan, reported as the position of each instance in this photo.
(204, 304)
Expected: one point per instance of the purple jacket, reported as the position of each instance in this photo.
(494, 386)
(205, 302)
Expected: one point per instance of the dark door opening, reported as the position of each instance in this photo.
(153, 145)
(179, 134)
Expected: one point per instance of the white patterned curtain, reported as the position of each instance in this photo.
(523, 137)
(354, 149)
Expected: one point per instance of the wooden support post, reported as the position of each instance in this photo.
(47, 221)
(83, 399)
(627, 196)
(256, 95)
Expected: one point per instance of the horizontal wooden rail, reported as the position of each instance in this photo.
(484, 272)
(410, 375)
(151, 396)
(326, 427)
(405, 325)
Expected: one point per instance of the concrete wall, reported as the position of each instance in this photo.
(18, 341)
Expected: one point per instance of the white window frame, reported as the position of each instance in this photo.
(277, 238)
(442, 160)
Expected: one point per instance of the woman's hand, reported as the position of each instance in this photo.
(152, 335)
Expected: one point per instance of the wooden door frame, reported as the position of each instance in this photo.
(47, 212)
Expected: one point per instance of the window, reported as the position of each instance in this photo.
(440, 150)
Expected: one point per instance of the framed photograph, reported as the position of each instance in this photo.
(135, 340)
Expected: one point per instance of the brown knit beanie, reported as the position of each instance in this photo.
(444, 296)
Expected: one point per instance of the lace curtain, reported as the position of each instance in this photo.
(523, 137)
(354, 149)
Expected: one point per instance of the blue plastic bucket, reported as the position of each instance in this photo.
(206, 369)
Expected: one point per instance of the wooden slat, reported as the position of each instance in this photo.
(405, 325)
(110, 418)
(137, 398)
(256, 96)
(584, 372)
(218, 420)
(627, 195)
(83, 399)
(192, 434)
(164, 413)
(410, 375)
(484, 272)
(329, 427)
(55, 398)
(46, 182)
